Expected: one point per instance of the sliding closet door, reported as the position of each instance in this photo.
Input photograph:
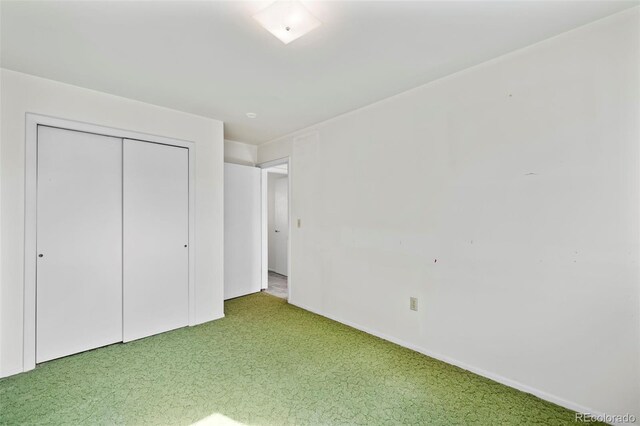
(79, 242)
(156, 233)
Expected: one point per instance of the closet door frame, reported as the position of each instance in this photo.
(31, 191)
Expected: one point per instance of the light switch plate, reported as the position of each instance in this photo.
(413, 303)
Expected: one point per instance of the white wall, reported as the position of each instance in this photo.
(22, 93)
(240, 153)
(508, 204)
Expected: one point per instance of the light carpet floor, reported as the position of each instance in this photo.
(266, 363)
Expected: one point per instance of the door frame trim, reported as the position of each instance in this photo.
(265, 225)
(32, 121)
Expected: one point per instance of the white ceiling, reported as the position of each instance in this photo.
(211, 58)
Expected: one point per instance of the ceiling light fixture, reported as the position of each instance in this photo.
(252, 115)
(287, 20)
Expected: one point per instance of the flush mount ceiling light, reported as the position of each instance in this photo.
(252, 115)
(287, 20)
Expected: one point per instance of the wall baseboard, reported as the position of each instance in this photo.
(216, 317)
(444, 358)
(8, 373)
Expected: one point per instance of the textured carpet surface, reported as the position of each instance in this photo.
(266, 363)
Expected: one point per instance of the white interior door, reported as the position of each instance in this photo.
(79, 242)
(242, 230)
(156, 234)
(280, 231)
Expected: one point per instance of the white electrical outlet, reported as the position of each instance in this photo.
(413, 303)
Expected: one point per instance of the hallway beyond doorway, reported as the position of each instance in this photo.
(278, 285)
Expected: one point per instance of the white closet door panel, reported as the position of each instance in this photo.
(156, 233)
(242, 230)
(79, 236)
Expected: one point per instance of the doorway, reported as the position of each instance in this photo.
(276, 229)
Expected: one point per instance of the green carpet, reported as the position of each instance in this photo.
(266, 363)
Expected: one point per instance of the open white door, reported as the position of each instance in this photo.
(79, 242)
(156, 235)
(280, 231)
(242, 230)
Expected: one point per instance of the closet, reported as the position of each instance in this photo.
(112, 237)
